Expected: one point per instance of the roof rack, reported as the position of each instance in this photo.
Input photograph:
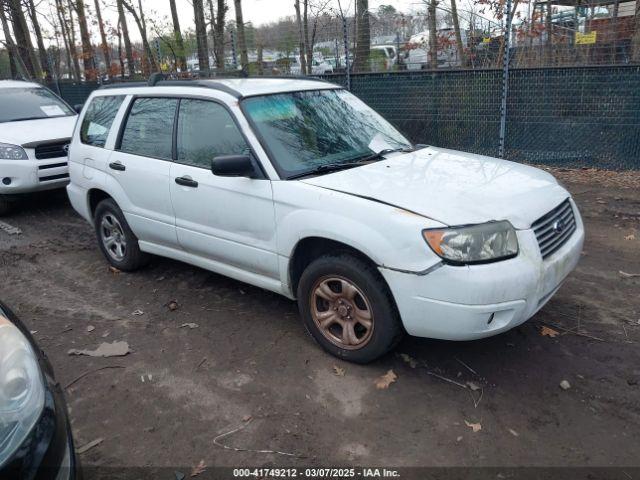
(160, 80)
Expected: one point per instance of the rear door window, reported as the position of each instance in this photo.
(149, 128)
(97, 122)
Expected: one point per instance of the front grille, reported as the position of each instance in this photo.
(52, 165)
(54, 177)
(555, 228)
(52, 150)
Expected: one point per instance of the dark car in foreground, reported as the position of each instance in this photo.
(35, 435)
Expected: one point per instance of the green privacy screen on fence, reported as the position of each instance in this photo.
(569, 116)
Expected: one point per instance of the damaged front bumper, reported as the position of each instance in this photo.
(476, 301)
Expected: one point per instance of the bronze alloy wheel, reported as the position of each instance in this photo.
(341, 312)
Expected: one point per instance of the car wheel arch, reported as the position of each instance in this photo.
(308, 249)
(95, 196)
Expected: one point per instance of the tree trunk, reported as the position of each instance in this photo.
(548, 28)
(65, 38)
(72, 43)
(120, 58)
(90, 72)
(456, 27)
(15, 62)
(182, 60)
(106, 52)
(23, 40)
(363, 36)
(433, 35)
(218, 42)
(635, 39)
(242, 42)
(125, 38)
(307, 42)
(201, 35)
(42, 51)
(302, 46)
(150, 64)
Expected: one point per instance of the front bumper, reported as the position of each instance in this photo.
(48, 451)
(25, 176)
(476, 301)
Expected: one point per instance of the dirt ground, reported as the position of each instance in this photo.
(249, 356)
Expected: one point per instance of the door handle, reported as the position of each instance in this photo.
(117, 166)
(187, 182)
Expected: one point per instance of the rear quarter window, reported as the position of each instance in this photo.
(97, 122)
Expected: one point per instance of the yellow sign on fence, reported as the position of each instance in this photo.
(586, 38)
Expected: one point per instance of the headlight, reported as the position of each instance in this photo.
(12, 152)
(474, 244)
(21, 388)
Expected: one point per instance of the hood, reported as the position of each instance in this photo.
(452, 187)
(36, 131)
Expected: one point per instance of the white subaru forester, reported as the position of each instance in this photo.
(35, 130)
(298, 187)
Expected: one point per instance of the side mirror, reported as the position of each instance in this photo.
(78, 107)
(233, 166)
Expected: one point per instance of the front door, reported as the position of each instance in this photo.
(226, 219)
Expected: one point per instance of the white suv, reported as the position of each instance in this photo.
(298, 187)
(35, 130)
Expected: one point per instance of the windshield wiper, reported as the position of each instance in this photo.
(334, 167)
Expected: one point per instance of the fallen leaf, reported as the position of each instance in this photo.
(90, 328)
(190, 325)
(630, 237)
(565, 385)
(89, 446)
(459, 439)
(385, 380)
(115, 349)
(338, 371)
(513, 432)
(409, 360)
(172, 305)
(137, 312)
(246, 418)
(114, 270)
(548, 332)
(473, 386)
(198, 469)
(476, 427)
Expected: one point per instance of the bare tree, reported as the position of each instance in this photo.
(456, 28)
(201, 35)
(242, 41)
(42, 51)
(72, 41)
(88, 61)
(635, 39)
(65, 38)
(363, 35)
(301, 35)
(15, 62)
(182, 60)
(150, 65)
(433, 34)
(122, 22)
(23, 40)
(217, 27)
(106, 52)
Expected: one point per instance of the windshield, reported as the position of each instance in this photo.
(304, 130)
(30, 103)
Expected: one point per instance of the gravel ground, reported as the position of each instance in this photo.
(249, 362)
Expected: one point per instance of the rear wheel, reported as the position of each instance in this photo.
(347, 308)
(115, 238)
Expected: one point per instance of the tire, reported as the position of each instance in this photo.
(357, 291)
(117, 242)
(5, 205)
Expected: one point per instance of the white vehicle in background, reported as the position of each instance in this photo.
(293, 67)
(418, 50)
(35, 129)
(387, 53)
(298, 187)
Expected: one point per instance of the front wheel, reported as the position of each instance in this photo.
(348, 309)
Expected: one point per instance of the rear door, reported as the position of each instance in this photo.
(225, 219)
(141, 165)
